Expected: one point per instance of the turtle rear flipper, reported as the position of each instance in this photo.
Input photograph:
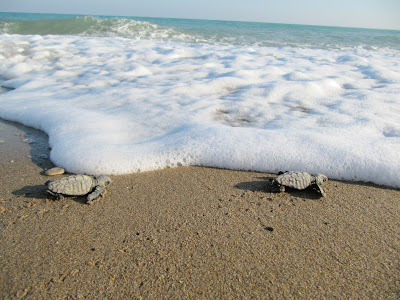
(96, 194)
(275, 187)
(57, 195)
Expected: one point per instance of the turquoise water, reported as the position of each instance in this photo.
(200, 31)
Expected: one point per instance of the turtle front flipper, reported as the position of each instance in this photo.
(321, 190)
(96, 194)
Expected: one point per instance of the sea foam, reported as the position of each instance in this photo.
(116, 105)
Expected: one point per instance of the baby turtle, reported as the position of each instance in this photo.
(298, 180)
(78, 185)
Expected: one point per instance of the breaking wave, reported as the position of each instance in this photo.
(94, 26)
(202, 31)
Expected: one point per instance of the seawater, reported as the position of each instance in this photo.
(122, 94)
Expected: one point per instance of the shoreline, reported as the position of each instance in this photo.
(191, 232)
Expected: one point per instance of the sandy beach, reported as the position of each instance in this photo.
(191, 233)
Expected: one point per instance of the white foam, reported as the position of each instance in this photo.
(113, 105)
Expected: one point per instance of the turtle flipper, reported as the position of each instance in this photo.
(276, 187)
(321, 190)
(56, 195)
(96, 194)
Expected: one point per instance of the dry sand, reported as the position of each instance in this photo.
(191, 232)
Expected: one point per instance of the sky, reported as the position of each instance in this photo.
(384, 14)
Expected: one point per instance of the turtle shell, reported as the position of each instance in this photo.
(296, 180)
(72, 185)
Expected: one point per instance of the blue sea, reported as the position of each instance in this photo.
(200, 31)
(120, 95)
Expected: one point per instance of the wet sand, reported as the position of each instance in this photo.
(191, 232)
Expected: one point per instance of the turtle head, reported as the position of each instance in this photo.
(320, 179)
(103, 180)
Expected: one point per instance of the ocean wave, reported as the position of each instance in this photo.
(205, 32)
(95, 27)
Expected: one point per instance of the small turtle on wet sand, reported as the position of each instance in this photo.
(299, 181)
(79, 185)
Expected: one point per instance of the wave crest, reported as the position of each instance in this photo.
(95, 26)
(229, 33)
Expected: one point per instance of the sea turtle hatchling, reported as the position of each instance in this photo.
(79, 185)
(299, 181)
